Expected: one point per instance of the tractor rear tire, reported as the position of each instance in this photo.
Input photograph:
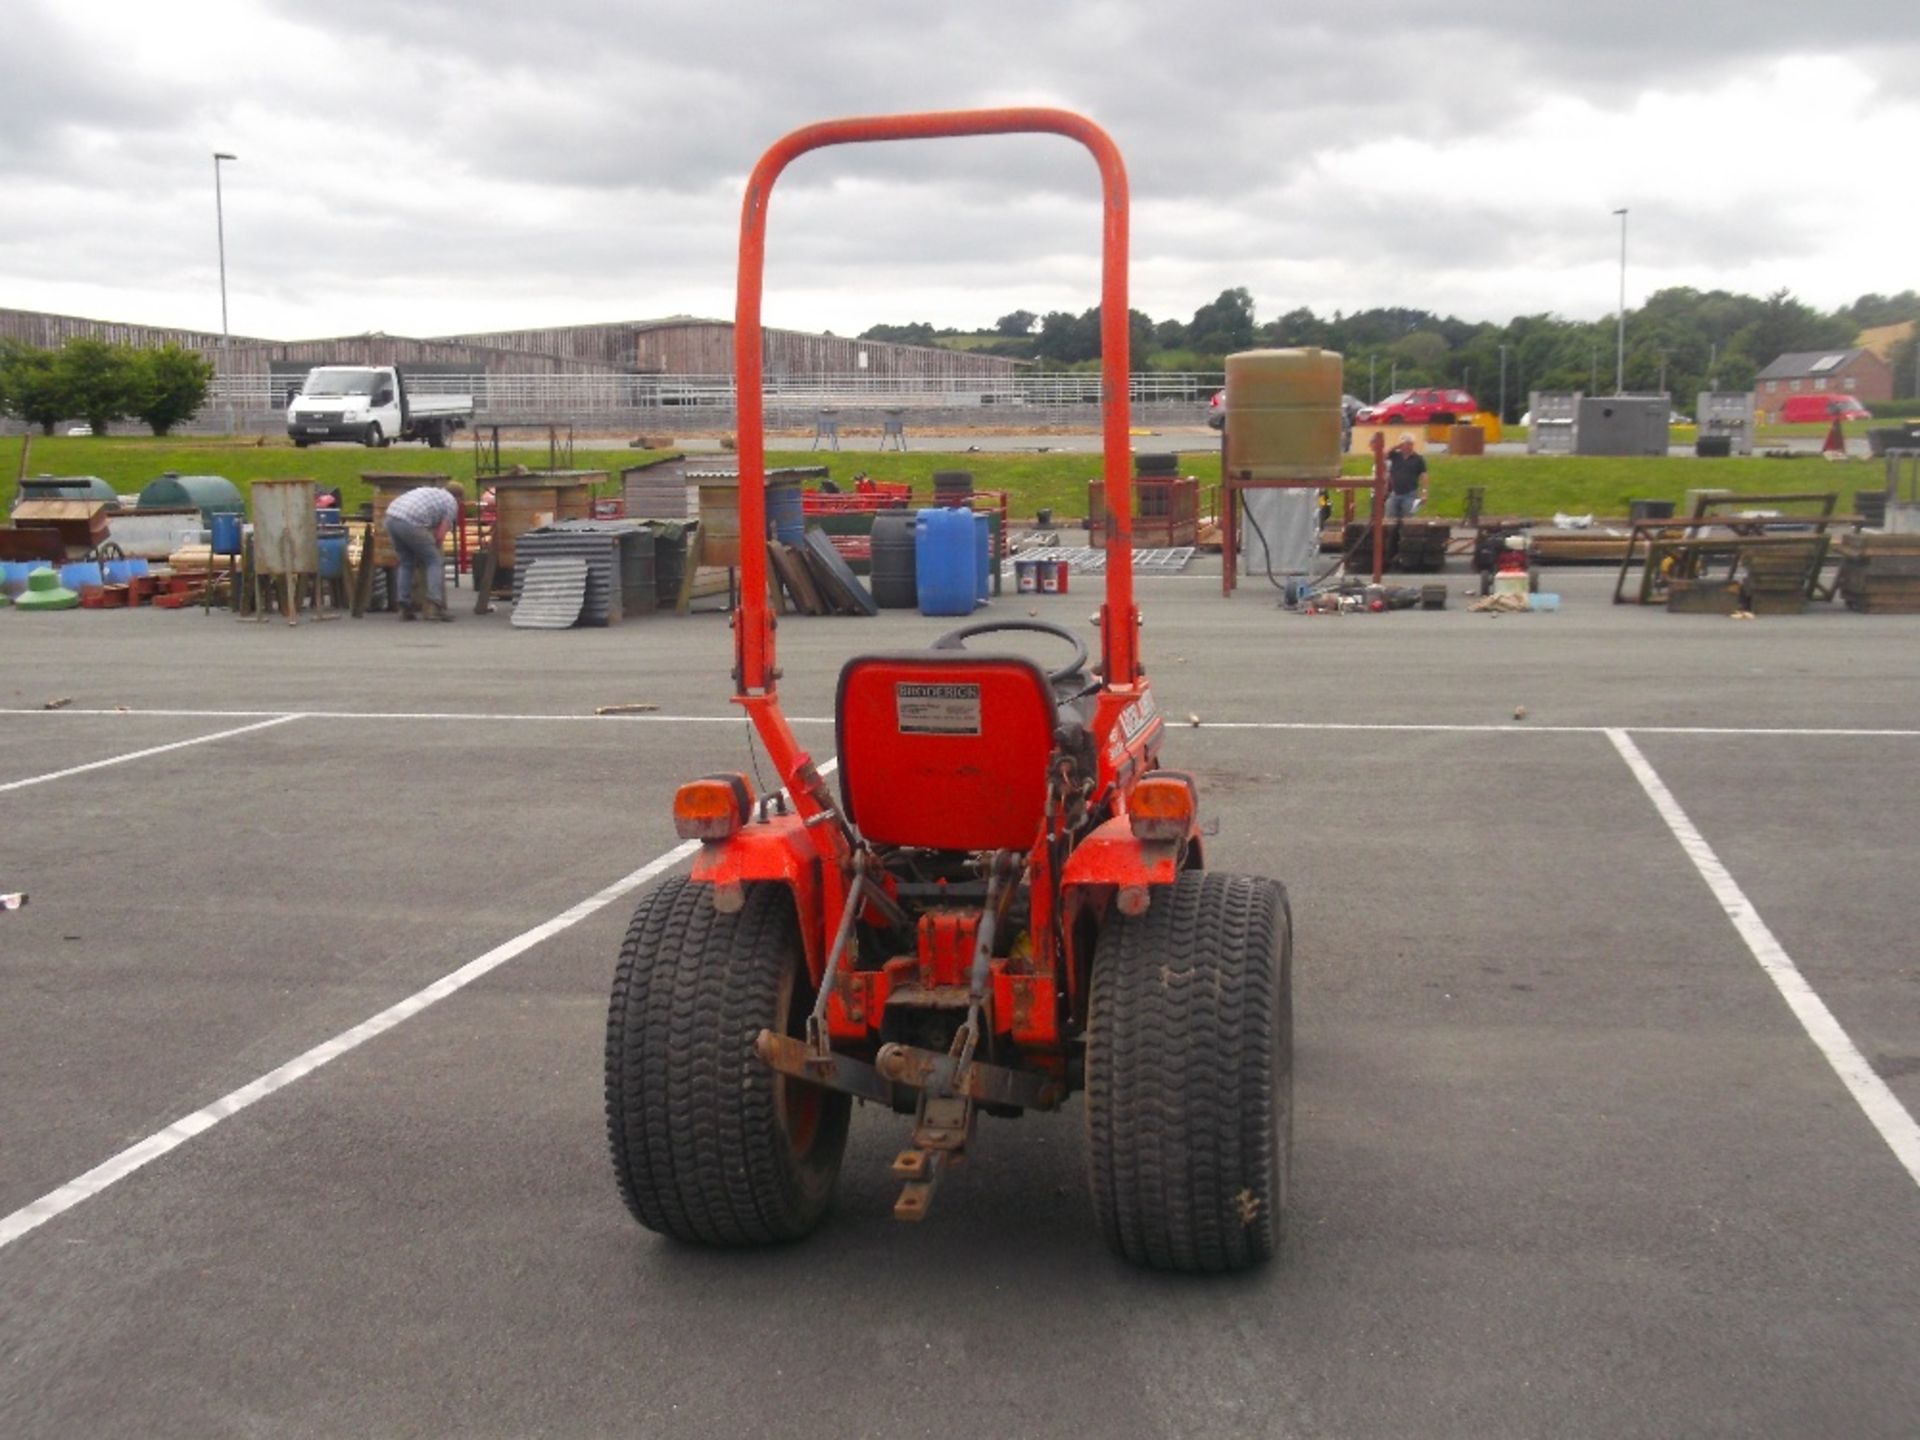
(709, 1144)
(1190, 1074)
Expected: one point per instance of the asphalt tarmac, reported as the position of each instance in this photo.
(1575, 1154)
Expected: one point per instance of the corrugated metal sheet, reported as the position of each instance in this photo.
(619, 556)
(553, 595)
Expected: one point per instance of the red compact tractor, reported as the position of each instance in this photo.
(1003, 903)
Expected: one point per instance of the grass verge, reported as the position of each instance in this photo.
(1514, 484)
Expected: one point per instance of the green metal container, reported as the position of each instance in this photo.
(205, 493)
(66, 487)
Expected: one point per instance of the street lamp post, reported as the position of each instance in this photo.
(1620, 353)
(220, 229)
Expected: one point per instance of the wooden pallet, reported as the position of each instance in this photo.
(1880, 574)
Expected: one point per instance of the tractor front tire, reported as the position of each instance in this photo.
(709, 1144)
(1190, 1074)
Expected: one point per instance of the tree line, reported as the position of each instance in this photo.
(102, 384)
(1680, 341)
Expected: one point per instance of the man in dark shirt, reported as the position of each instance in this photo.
(1406, 480)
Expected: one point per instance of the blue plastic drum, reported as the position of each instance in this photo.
(333, 556)
(226, 533)
(946, 562)
(786, 514)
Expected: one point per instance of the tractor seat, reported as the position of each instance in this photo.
(945, 750)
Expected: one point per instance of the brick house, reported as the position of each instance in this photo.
(1859, 373)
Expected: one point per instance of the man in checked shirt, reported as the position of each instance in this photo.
(417, 523)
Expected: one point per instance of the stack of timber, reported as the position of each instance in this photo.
(1603, 542)
(1422, 546)
(1703, 597)
(1406, 545)
(1880, 574)
(1779, 578)
(1356, 545)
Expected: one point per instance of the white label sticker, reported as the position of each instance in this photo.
(1136, 716)
(937, 709)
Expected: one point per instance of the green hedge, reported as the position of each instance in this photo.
(1908, 409)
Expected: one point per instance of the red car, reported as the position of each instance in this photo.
(1420, 407)
(1799, 409)
(1217, 411)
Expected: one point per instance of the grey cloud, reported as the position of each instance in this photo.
(57, 89)
(594, 152)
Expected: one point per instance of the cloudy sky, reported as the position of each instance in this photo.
(428, 167)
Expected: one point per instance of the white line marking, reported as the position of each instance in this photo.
(1870, 1092)
(1504, 728)
(57, 1202)
(142, 754)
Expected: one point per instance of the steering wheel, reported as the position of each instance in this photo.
(956, 640)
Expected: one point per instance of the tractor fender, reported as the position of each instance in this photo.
(1112, 866)
(1113, 855)
(779, 849)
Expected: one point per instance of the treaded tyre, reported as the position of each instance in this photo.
(1156, 462)
(709, 1144)
(1190, 1074)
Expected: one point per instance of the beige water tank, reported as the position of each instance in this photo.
(1283, 414)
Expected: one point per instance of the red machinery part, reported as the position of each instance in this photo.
(755, 668)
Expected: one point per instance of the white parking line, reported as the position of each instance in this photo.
(142, 1153)
(1870, 1092)
(31, 1217)
(143, 754)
